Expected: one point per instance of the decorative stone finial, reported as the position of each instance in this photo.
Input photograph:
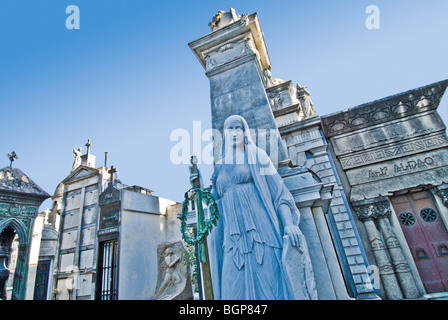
(222, 19)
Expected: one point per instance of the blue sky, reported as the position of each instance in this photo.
(127, 78)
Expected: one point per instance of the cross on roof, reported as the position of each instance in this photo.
(12, 157)
(88, 144)
(112, 171)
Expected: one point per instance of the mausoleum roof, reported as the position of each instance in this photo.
(14, 180)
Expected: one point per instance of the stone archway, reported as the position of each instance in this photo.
(9, 228)
(20, 198)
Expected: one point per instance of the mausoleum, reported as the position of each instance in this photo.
(20, 198)
(370, 181)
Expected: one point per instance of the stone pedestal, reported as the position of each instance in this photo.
(235, 57)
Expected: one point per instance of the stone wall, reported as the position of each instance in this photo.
(382, 148)
(307, 147)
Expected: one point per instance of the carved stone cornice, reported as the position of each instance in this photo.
(380, 111)
(419, 144)
(248, 24)
(230, 51)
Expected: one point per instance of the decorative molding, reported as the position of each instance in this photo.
(17, 211)
(248, 24)
(390, 108)
(80, 173)
(230, 51)
(386, 269)
(373, 210)
(395, 151)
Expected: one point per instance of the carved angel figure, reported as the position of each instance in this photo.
(172, 278)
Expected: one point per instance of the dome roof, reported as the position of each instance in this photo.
(59, 190)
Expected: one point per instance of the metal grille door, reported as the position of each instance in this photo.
(108, 286)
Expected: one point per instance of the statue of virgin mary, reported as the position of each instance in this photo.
(257, 212)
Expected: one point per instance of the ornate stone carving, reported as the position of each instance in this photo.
(373, 210)
(382, 259)
(77, 158)
(386, 269)
(394, 151)
(274, 100)
(386, 109)
(305, 100)
(229, 52)
(245, 19)
(173, 278)
(387, 248)
(377, 244)
(443, 193)
(215, 20)
(222, 18)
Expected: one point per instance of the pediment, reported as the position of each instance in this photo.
(80, 172)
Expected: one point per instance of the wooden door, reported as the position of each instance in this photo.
(427, 237)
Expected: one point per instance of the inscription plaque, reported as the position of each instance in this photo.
(110, 216)
(396, 168)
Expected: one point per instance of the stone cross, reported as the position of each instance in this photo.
(12, 157)
(112, 171)
(88, 144)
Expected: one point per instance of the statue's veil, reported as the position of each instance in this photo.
(261, 167)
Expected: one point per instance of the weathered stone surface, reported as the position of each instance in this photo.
(234, 57)
(20, 198)
(399, 167)
(303, 288)
(395, 143)
(173, 277)
(241, 83)
(384, 110)
(14, 180)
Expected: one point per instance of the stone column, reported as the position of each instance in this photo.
(442, 192)
(235, 58)
(21, 273)
(366, 213)
(399, 262)
(388, 278)
(337, 279)
(385, 237)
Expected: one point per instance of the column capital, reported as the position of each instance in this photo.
(442, 192)
(372, 209)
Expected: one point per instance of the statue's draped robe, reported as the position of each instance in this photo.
(245, 247)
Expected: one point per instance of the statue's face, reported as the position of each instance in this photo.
(234, 132)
